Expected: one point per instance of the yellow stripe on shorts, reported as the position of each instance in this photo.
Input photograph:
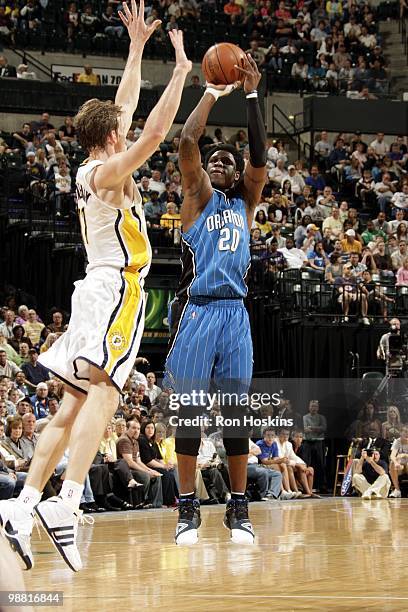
(121, 332)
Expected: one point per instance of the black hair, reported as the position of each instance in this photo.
(239, 160)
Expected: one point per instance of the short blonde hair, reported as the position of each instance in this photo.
(95, 120)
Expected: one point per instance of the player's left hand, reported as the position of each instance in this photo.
(251, 74)
(133, 20)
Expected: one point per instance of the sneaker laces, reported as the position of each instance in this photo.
(187, 508)
(240, 508)
(84, 518)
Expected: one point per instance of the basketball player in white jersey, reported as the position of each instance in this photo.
(95, 355)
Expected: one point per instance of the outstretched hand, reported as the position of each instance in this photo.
(139, 32)
(224, 90)
(182, 61)
(251, 74)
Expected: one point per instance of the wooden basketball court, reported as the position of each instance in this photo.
(329, 554)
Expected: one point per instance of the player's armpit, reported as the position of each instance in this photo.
(195, 200)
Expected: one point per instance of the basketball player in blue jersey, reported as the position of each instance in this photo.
(210, 331)
(95, 355)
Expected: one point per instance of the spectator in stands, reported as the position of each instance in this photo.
(33, 327)
(20, 383)
(14, 445)
(7, 29)
(276, 236)
(155, 183)
(299, 73)
(58, 323)
(347, 290)
(382, 259)
(154, 209)
(34, 371)
(295, 258)
(322, 149)
(349, 244)
(399, 256)
(317, 258)
(127, 448)
(380, 223)
(391, 428)
(67, 132)
(262, 223)
(88, 76)
(368, 424)
(269, 457)
(152, 390)
(400, 199)
(6, 69)
(333, 223)
(334, 269)
(24, 351)
(208, 461)
(24, 73)
(298, 449)
(296, 180)
(402, 274)
(370, 477)
(171, 222)
(24, 139)
(11, 482)
(385, 190)
(53, 407)
(7, 368)
(111, 23)
(315, 180)
(297, 468)
(268, 480)
(315, 427)
(39, 401)
(278, 174)
(150, 456)
(379, 145)
(257, 52)
(6, 328)
(89, 21)
(399, 460)
(43, 125)
(371, 233)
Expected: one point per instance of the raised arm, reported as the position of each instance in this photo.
(255, 171)
(196, 183)
(114, 172)
(127, 95)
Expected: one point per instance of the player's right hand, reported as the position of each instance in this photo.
(182, 61)
(139, 32)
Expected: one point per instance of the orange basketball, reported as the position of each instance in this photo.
(219, 61)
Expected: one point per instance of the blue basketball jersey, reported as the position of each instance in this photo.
(216, 253)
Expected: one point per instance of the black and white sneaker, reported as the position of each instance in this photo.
(236, 519)
(16, 523)
(188, 522)
(61, 524)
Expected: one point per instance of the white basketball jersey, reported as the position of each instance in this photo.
(115, 237)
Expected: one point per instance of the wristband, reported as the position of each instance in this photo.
(252, 94)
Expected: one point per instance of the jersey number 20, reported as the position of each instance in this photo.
(228, 242)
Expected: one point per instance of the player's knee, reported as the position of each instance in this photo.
(236, 446)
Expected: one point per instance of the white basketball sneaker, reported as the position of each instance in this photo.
(236, 519)
(188, 522)
(16, 523)
(60, 522)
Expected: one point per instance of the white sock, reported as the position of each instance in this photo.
(71, 493)
(30, 497)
